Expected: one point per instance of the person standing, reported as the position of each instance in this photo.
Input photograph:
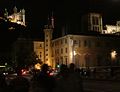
(68, 80)
(45, 82)
(3, 84)
(19, 84)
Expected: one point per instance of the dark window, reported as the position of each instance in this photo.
(79, 43)
(65, 41)
(61, 41)
(85, 43)
(40, 56)
(61, 50)
(46, 40)
(66, 50)
(40, 45)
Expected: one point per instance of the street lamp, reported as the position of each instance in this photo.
(113, 55)
(113, 58)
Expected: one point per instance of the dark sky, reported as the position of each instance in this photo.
(65, 11)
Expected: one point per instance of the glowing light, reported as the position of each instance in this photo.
(11, 28)
(71, 54)
(113, 54)
(2, 66)
(18, 22)
(74, 53)
(37, 66)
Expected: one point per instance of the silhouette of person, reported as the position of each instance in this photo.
(19, 84)
(3, 84)
(76, 80)
(45, 81)
(68, 80)
(63, 71)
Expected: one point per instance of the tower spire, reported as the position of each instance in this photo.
(52, 20)
(49, 20)
(6, 13)
(15, 9)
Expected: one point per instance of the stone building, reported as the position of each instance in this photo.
(84, 49)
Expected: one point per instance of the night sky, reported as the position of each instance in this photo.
(66, 12)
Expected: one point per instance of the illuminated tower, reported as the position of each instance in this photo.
(23, 16)
(48, 30)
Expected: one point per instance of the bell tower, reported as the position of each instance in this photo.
(23, 16)
(48, 30)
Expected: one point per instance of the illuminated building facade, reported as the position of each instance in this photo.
(48, 41)
(92, 22)
(112, 29)
(16, 17)
(39, 50)
(85, 50)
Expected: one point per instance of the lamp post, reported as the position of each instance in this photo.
(113, 55)
(113, 58)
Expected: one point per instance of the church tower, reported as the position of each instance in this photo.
(23, 16)
(48, 30)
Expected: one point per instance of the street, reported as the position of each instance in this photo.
(90, 85)
(101, 86)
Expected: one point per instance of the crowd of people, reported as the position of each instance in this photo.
(68, 79)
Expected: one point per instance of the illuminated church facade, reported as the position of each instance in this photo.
(17, 16)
